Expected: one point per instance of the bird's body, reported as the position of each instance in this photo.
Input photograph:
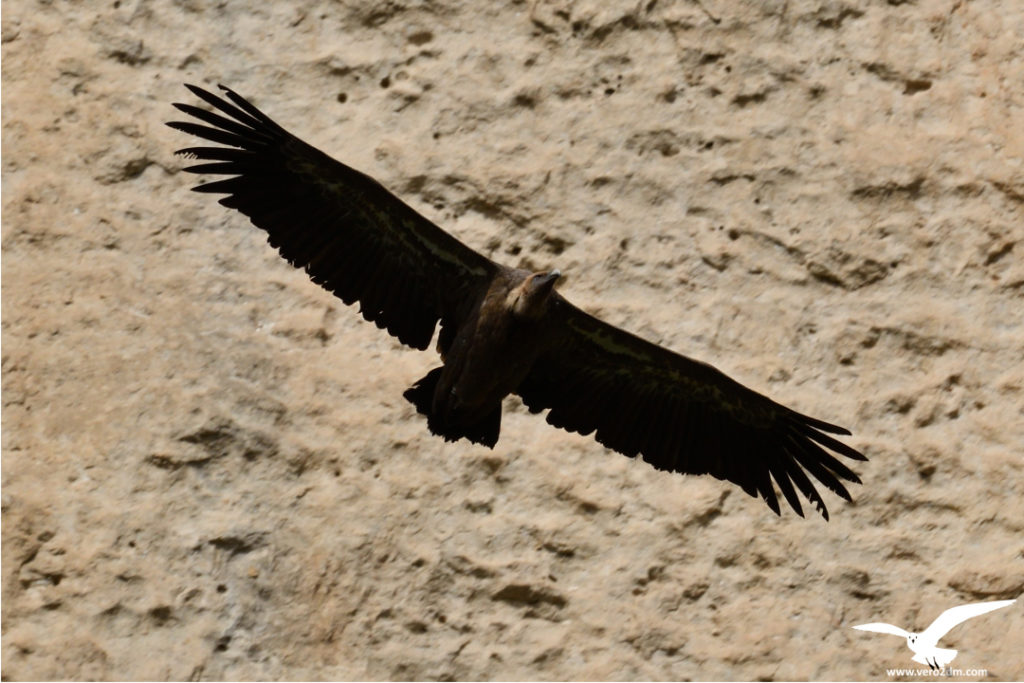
(491, 354)
(933, 657)
(503, 330)
(924, 645)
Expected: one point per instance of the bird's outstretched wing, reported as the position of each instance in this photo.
(680, 414)
(957, 615)
(882, 628)
(345, 229)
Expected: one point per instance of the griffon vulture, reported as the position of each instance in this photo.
(503, 330)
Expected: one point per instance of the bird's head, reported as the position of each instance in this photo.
(530, 299)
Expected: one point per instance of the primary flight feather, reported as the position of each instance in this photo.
(503, 330)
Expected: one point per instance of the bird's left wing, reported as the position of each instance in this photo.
(349, 233)
(957, 615)
(679, 414)
(879, 627)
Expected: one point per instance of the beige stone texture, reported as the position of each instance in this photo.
(209, 471)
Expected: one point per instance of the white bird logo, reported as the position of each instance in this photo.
(924, 644)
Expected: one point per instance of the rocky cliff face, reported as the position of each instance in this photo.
(208, 468)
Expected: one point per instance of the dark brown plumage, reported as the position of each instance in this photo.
(503, 330)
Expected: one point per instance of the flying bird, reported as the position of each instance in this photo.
(925, 644)
(502, 330)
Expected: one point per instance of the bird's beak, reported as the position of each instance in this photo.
(549, 279)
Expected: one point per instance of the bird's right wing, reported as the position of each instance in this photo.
(349, 233)
(957, 615)
(882, 628)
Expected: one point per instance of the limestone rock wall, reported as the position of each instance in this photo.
(208, 468)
